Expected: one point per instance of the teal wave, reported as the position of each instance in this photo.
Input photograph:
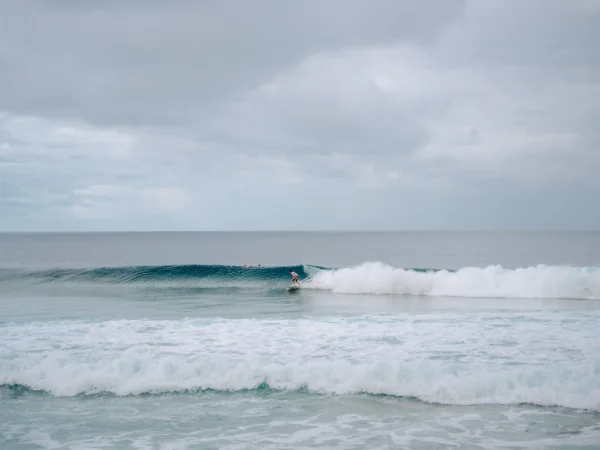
(166, 273)
(141, 274)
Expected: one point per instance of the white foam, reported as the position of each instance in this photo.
(493, 281)
(471, 358)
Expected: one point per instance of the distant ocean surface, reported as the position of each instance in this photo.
(403, 340)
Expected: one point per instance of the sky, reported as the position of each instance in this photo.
(312, 115)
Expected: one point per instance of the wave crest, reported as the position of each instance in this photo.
(426, 381)
(493, 281)
(550, 282)
(538, 358)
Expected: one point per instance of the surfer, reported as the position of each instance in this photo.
(294, 278)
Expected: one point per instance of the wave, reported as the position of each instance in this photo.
(427, 381)
(541, 358)
(551, 282)
(225, 275)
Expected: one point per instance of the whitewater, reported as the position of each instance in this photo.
(105, 345)
(493, 281)
(424, 356)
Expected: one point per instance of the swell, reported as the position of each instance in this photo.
(551, 282)
(144, 274)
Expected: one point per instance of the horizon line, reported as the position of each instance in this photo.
(449, 230)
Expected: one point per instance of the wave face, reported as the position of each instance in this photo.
(552, 282)
(220, 275)
(497, 359)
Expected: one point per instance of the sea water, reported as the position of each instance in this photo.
(395, 340)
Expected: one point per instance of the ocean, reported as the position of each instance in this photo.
(396, 340)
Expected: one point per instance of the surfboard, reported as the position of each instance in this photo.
(293, 288)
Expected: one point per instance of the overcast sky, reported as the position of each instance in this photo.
(320, 115)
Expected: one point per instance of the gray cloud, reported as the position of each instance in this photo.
(118, 62)
(320, 114)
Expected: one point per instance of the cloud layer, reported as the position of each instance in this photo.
(305, 115)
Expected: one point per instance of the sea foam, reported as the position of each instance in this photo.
(543, 359)
(492, 281)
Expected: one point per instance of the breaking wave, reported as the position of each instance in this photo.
(337, 357)
(551, 282)
(427, 382)
(493, 281)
